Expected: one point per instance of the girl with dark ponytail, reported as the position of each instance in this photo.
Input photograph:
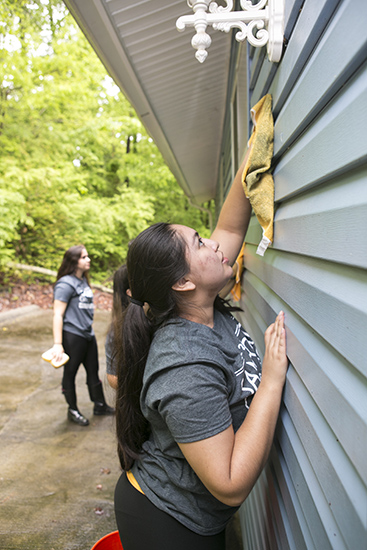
(152, 273)
(189, 443)
(73, 332)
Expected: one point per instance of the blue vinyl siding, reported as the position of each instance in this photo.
(313, 492)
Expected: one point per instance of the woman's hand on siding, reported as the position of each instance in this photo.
(275, 362)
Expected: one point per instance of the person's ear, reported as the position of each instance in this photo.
(128, 292)
(184, 285)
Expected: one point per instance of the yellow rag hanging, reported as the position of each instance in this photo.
(258, 183)
(238, 270)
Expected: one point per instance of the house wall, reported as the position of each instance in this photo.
(312, 494)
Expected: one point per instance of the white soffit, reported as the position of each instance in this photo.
(180, 101)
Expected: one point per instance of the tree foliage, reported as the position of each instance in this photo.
(76, 164)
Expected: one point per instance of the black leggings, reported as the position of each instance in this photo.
(80, 350)
(142, 526)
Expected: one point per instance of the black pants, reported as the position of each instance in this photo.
(81, 351)
(142, 526)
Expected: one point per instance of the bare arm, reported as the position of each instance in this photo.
(229, 464)
(58, 322)
(234, 218)
(112, 380)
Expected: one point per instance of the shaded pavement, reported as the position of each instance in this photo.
(55, 489)
(57, 479)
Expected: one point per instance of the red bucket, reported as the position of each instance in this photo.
(109, 542)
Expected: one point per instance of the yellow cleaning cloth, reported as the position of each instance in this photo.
(258, 183)
(238, 270)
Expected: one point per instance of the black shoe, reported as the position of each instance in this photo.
(97, 396)
(103, 409)
(77, 417)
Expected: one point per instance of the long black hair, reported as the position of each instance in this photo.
(70, 261)
(156, 260)
(120, 287)
(120, 302)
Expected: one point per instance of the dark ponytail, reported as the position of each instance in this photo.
(156, 261)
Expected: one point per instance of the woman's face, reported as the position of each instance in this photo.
(83, 262)
(209, 268)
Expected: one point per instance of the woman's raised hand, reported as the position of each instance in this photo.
(275, 362)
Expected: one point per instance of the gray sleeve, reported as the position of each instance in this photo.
(63, 291)
(192, 400)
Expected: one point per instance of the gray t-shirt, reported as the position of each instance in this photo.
(78, 317)
(197, 382)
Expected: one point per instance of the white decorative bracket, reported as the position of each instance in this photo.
(260, 23)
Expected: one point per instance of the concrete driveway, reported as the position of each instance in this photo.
(57, 479)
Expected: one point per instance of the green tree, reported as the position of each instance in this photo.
(76, 164)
